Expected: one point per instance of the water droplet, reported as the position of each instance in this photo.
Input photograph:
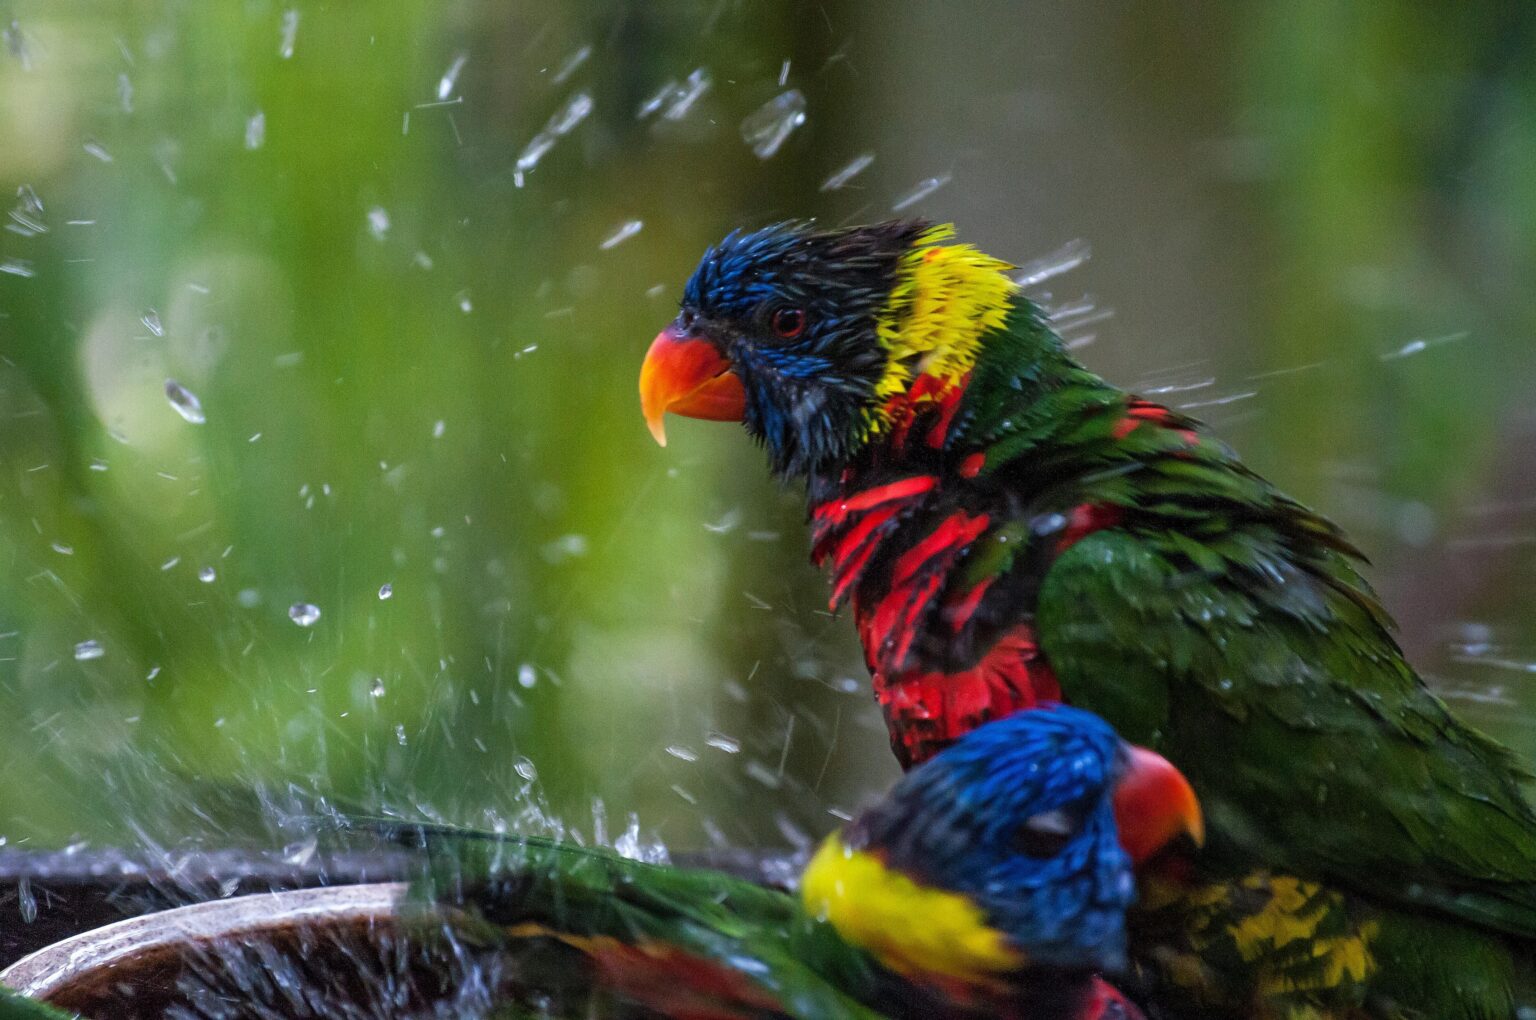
(185, 402)
(302, 852)
(450, 77)
(1048, 524)
(564, 120)
(95, 149)
(249, 598)
(438, 428)
(673, 101)
(523, 767)
(682, 753)
(25, 900)
(841, 177)
(256, 131)
(767, 127)
(1064, 259)
(125, 93)
(526, 676)
(27, 216)
(207, 575)
(924, 188)
(17, 267)
(90, 649)
(626, 230)
(376, 689)
(290, 31)
(463, 301)
(151, 321)
(565, 547)
(761, 773)
(570, 64)
(386, 591)
(378, 222)
(400, 734)
(721, 742)
(1408, 349)
(305, 614)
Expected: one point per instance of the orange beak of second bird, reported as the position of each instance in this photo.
(1154, 805)
(686, 375)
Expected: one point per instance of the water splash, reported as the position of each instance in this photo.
(185, 402)
(626, 230)
(27, 215)
(450, 77)
(16, 44)
(305, 614)
(26, 900)
(571, 63)
(674, 101)
(562, 122)
(722, 742)
(770, 125)
(256, 131)
(378, 222)
(848, 171)
(923, 188)
(289, 32)
(1063, 260)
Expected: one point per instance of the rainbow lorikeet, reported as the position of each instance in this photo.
(1010, 529)
(992, 881)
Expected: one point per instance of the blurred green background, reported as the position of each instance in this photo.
(407, 256)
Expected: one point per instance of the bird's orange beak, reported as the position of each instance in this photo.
(1154, 805)
(686, 375)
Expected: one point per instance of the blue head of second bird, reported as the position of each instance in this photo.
(999, 854)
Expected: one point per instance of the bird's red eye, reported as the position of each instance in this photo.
(788, 323)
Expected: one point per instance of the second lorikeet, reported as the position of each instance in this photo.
(1011, 529)
(992, 881)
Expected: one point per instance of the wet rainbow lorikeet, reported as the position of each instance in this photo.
(991, 882)
(1010, 529)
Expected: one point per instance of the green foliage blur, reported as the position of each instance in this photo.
(413, 332)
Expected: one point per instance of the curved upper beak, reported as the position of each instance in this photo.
(1154, 805)
(686, 375)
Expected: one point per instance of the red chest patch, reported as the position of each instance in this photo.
(926, 712)
(914, 597)
(846, 531)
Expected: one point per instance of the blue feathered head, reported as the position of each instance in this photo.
(1009, 842)
(778, 329)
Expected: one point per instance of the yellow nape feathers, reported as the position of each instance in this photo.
(946, 298)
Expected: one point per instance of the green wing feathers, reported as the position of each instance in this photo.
(1312, 744)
